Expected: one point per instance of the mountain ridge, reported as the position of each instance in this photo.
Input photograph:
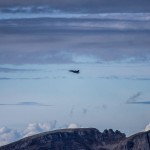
(82, 139)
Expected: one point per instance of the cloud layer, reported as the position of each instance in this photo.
(10, 70)
(25, 104)
(10, 135)
(105, 37)
(82, 6)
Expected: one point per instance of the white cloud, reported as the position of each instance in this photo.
(147, 128)
(34, 128)
(72, 126)
(10, 135)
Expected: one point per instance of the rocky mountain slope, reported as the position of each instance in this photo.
(82, 139)
(140, 141)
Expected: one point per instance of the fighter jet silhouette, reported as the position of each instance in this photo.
(75, 71)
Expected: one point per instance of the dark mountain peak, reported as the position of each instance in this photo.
(82, 139)
(110, 137)
(65, 139)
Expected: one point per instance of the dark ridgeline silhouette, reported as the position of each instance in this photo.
(82, 138)
(75, 71)
(68, 139)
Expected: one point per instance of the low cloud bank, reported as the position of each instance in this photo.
(8, 135)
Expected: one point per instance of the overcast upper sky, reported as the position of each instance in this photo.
(75, 39)
(84, 5)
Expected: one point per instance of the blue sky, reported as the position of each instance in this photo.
(40, 41)
(97, 97)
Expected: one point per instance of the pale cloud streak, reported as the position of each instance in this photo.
(25, 104)
(25, 78)
(11, 70)
(136, 99)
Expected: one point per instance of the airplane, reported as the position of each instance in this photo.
(74, 71)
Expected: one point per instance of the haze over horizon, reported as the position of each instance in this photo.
(108, 41)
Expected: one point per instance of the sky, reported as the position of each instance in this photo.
(40, 41)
